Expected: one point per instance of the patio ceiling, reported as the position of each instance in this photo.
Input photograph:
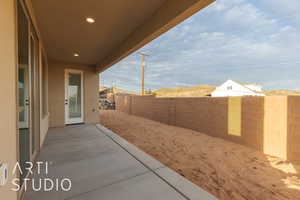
(121, 26)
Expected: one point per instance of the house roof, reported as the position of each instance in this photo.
(246, 86)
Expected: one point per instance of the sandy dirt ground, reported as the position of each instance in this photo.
(227, 170)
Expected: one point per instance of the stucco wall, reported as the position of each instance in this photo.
(267, 124)
(57, 93)
(8, 91)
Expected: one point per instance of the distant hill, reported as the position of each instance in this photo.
(116, 91)
(206, 90)
(120, 91)
(282, 92)
(195, 91)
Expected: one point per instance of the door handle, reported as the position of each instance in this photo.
(27, 102)
(66, 101)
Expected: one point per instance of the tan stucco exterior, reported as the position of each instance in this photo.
(8, 91)
(57, 92)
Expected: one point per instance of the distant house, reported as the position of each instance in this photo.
(233, 88)
(104, 91)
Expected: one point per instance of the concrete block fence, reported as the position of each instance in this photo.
(267, 124)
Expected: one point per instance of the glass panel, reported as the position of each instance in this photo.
(74, 92)
(22, 98)
(23, 85)
(35, 74)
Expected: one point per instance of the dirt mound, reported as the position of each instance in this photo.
(282, 93)
(195, 91)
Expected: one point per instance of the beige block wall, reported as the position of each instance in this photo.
(142, 106)
(199, 113)
(57, 92)
(8, 93)
(163, 110)
(268, 124)
(293, 133)
(123, 103)
(276, 126)
(234, 114)
(252, 122)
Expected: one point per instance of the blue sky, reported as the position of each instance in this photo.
(247, 40)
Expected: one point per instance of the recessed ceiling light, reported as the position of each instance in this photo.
(76, 54)
(90, 20)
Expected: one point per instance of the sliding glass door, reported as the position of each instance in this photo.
(28, 89)
(24, 89)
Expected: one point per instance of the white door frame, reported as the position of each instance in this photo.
(67, 118)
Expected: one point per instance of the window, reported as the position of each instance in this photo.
(229, 88)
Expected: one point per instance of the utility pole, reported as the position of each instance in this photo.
(143, 73)
(113, 86)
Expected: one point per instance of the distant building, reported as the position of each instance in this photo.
(233, 89)
(104, 91)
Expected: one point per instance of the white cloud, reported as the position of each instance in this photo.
(288, 9)
(237, 39)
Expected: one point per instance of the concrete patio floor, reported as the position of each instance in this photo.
(103, 166)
